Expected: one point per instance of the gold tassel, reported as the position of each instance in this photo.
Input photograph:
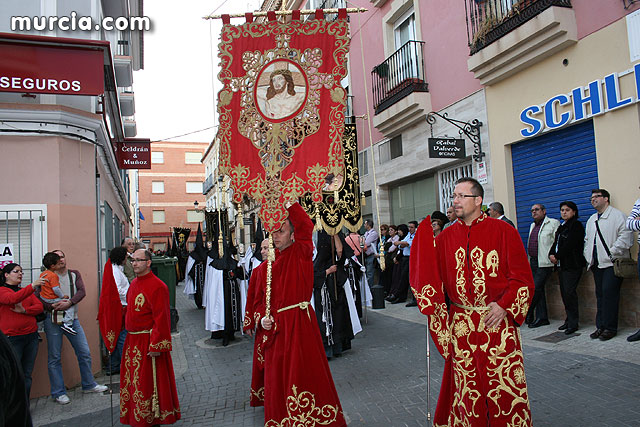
(220, 244)
(239, 217)
(155, 407)
(381, 260)
(363, 200)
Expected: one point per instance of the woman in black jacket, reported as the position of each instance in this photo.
(567, 252)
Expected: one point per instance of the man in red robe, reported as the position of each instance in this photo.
(298, 387)
(480, 264)
(148, 393)
(251, 324)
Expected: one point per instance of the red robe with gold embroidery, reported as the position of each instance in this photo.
(298, 387)
(148, 323)
(251, 320)
(484, 382)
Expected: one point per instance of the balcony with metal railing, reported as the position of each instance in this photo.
(399, 75)
(207, 184)
(489, 20)
(523, 40)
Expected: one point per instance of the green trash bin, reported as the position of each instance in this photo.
(165, 268)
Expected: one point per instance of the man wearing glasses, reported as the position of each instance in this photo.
(483, 270)
(542, 233)
(606, 227)
(147, 383)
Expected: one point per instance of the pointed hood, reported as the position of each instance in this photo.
(199, 253)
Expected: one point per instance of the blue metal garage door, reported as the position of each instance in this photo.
(554, 167)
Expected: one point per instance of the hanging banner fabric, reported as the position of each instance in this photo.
(340, 205)
(281, 110)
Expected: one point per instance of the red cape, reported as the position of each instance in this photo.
(109, 309)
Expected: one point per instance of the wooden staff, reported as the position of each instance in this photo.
(333, 262)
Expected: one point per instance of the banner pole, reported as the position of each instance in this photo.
(287, 13)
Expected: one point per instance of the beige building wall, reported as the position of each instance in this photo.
(617, 138)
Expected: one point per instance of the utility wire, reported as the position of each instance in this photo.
(185, 134)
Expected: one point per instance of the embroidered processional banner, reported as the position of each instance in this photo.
(281, 110)
(340, 205)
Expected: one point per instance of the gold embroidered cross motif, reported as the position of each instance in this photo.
(139, 301)
(493, 262)
(302, 411)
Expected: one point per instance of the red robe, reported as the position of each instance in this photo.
(251, 320)
(298, 387)
(483, 382)
(148, 323)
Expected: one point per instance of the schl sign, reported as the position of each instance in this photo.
(134, 154)
(545, 117)
(28, 68)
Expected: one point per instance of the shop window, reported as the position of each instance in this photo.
(447, 179)
(157, 187)
(159, 246)
(158, 217)
(194, 187)
(157, 156)
(363, 163)
(192, 158)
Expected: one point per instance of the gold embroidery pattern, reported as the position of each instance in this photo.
(139, 301)
(277, 140)
(162, 345)
(302, 411)
(343, 209)
(477, 256)
(246, 322)
(504, 370)
(141, 405)
(438, 316)
(259, 347)
(258, 394)
(460, 279)
(111, 336)
(520, 305)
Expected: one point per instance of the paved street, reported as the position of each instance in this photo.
(382, 380)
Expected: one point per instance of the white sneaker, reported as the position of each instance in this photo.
(97, 389)
(63, 399)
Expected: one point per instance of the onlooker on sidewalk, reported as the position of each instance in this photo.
(50, 291)
(496, 210)
(405, 247)
(633, 223)
(18, 310)
(118, 257)
(128, 265)
(542, 233)
(370, 249)
(71, 284)
(451, 215)
(567, 250)
(606, 227)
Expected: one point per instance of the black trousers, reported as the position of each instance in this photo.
(568, 289)
(539, 301)
(608, 298)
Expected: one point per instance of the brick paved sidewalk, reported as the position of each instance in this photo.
(382, 380)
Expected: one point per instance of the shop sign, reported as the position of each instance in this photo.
(6, 254)
(446, 148)
(134, 154)
(28, 68)
(539, 118)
